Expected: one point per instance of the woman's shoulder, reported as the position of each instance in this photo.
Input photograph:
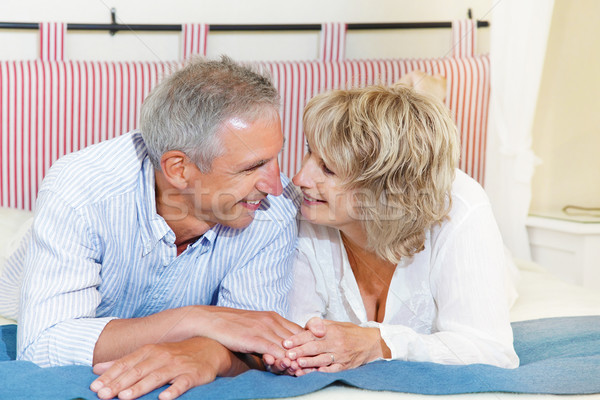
(467, 193)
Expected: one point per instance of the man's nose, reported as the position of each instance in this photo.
(270, 181)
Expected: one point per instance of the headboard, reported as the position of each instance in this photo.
(52, 107)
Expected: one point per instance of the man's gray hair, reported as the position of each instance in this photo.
(185, 111)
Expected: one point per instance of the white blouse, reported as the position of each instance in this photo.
(447, 304)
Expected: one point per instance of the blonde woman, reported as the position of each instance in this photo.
(399, 255)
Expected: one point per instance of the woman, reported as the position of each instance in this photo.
(399, 255)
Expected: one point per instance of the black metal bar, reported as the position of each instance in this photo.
(240, 28)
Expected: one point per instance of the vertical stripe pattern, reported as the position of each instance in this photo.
(193, 39)
(464, 38)
(333, 41)
(51, 108)
(52, 41)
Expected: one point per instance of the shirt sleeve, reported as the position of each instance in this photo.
(468, 284)
(264, 281)
(307, 299)
(59, 297)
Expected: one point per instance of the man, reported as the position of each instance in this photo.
(149, 249)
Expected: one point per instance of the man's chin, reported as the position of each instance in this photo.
(240, 222)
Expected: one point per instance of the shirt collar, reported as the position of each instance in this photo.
(153, 227)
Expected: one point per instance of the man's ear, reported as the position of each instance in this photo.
(176, 167)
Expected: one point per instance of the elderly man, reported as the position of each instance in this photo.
(149, 251)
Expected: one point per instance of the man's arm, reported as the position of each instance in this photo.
(241, 331)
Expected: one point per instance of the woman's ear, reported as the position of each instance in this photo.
(175, 166)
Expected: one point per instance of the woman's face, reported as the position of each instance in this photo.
(325, 201)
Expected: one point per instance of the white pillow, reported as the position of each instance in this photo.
(14, 224)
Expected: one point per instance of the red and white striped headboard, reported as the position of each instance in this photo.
(49, 108)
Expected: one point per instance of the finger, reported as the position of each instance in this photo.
(331, 368)
(261, 345)
(309, 349)
(322, 360)
(183, 383)
(317, 327)
(136, 380)
(111, 369)
(152, 379)
(302, 372)
(278, 366)
(101, 368)
(268, 359)
(106, 384)
(299, 339)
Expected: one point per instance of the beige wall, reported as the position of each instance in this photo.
(566, 130)
(266, 46)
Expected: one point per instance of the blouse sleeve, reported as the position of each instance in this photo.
(468, 284)
(307, 297)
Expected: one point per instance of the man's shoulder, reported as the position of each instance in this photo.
(104, 169)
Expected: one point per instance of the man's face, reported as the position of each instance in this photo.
(242, 177)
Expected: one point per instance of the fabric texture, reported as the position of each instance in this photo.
(448, 303)
(559, 356)
(194, 38)
(96, 101)
(52, 41)
(98, 250)
(333, 41)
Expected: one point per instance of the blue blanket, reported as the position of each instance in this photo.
(558, 355)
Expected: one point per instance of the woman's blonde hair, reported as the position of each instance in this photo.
(397, 150)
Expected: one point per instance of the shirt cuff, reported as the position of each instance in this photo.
(70, 342)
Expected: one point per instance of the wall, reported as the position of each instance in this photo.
(566, 130)
(242, 46)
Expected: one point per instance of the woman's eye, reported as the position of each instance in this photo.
(326, 170)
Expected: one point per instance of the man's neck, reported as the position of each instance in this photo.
(178, 213)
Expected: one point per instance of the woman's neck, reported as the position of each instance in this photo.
(372, 273)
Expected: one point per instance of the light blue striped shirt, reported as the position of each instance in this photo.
(98, 250)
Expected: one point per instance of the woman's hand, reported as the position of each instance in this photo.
(330, 346)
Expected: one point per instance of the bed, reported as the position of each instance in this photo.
(555, 323)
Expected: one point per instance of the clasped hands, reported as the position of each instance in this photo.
(226, 347)
(327, 346)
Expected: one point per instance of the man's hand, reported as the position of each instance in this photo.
(249, 331)
(330, 346)
(184, 365)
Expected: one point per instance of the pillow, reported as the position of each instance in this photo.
(14, 225)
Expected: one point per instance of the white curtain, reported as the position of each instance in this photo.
(518, 38)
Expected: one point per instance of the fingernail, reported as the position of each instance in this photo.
(292, 355)
(302, 363)
(126, 393)
(96, 385)
(105, 392)
(287, 343)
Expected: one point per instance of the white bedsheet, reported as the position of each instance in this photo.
(541, 295)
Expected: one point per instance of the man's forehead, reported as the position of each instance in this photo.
(251, 142)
